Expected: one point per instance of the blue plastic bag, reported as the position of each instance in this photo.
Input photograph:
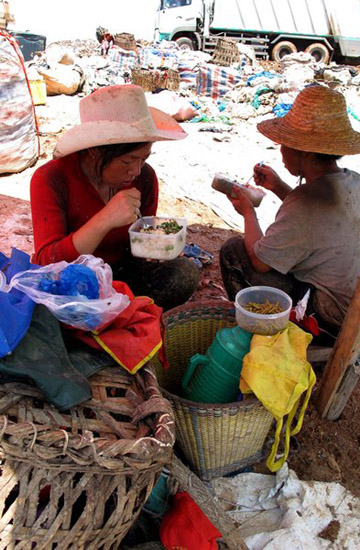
(74, 280)
(67, 291)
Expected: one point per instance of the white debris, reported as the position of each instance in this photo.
(282, 511)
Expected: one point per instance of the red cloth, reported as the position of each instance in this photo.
(134, 337)
(63, 200)
(186, 526)
(308, 323)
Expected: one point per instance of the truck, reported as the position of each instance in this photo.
(327, 29)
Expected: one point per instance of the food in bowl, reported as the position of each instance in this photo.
(162, 238)
(225, 185)
(165, 228)
(255, 194)
(266, 308)
(262, 322)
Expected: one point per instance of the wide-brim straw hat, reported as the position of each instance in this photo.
(114, 115)
(317, 123)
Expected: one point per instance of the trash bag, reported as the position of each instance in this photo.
(63, 79)
(19, 141)
(69, 291)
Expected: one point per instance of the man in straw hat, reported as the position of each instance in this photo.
(99, 182)
(315, 239)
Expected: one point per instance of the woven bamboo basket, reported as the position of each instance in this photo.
(226, 52)
(125, 40)
(154, 79)
(216, 439)
(79, 479)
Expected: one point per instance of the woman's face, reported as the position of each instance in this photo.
(120, 172)
(291, 159)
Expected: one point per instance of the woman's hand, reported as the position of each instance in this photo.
(266, 177)
(123, 208)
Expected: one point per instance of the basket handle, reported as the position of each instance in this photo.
(195, 360)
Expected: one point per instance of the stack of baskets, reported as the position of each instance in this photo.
(125, 40)
(79, 479)
(226, 52)
(154, 79)
(216, 439)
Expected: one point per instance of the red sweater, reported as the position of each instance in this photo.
(63, 200)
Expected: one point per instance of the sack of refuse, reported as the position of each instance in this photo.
(63, 79)
(178, 107)
(79, 293)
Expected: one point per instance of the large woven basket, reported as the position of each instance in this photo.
(216, 439)
(155, 79)
(226, 52)
(78, 480)
(125, 40)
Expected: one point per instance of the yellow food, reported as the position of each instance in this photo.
(266, 308)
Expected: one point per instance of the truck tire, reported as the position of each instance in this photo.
(185, 43)
(319, 52)
(282, 48)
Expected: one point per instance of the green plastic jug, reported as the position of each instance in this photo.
(214, 377)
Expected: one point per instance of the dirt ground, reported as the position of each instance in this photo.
(323, 450)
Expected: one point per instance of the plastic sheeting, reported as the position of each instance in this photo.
(278, 512)
(216, 81)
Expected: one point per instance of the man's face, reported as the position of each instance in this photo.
(291, 159)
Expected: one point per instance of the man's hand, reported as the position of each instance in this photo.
(241, 203)
(266, 177)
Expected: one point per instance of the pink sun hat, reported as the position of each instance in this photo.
(117, 114)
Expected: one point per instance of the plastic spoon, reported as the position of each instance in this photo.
(144, 225)
(252, 175)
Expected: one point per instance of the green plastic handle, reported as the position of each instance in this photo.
(195, 360)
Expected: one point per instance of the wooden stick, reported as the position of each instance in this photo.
(344, 354)
(206, 502)
(348, 383)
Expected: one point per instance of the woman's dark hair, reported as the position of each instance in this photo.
(323, 157)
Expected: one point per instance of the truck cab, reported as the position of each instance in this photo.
(181, 21)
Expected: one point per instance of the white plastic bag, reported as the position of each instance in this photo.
(76, 311)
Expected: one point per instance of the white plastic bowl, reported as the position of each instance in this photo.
(258, 323)
(154, 245)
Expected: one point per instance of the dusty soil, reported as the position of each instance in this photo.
(323, 450)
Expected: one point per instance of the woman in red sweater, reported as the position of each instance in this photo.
(84, 200)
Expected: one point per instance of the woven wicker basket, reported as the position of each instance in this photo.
(125, 40)
(226, 52)
(216, 439)
(154, 79)
(78, 480)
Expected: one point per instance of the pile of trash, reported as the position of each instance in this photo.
(202, 90)
(189, 85)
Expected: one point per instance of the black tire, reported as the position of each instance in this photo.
(185, 43)
(282, 48)
(319, 52)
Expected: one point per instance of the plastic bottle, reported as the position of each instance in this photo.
(214, 377)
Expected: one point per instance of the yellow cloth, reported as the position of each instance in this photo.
(277, 372)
